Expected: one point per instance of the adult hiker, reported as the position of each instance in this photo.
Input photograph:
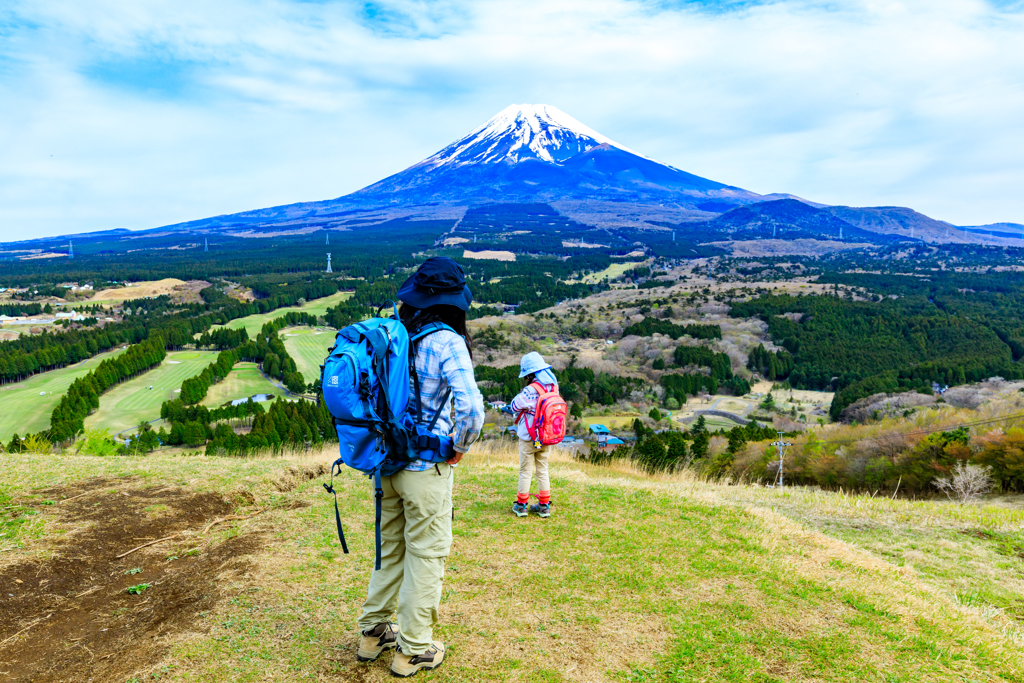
(540, 421)
(416, 517)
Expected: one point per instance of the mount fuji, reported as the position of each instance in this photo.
(538, 154)
(531, 153)
(527, 153)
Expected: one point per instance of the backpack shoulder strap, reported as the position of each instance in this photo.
(428, 329)
(414, 339)
(534, 429)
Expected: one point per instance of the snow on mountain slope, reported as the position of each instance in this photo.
(522, 131)
(537, 153)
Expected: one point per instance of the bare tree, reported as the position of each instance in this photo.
(967, 483)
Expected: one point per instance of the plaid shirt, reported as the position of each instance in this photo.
(442, 361)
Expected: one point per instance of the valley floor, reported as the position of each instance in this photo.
(631, 579)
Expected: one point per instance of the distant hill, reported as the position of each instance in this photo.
(788, 219)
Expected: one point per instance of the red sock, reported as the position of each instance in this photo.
(544, 497)
(523, 498)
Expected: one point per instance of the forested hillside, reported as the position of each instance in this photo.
(933, 330)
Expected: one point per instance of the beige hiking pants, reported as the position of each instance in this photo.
(416, 535)
(530, 458)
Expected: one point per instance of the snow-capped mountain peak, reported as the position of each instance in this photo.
(519, 132)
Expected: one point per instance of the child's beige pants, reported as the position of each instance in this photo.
(416, 536)
(530, 458)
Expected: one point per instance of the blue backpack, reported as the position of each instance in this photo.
(365, 381)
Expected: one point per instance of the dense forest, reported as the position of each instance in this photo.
(20, 309)
(858, 348)
(771, 365)
(650, 326)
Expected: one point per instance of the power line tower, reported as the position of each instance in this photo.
(206, 244)
(781, 446)
(328, 238)
(71, 249)
(329, 264)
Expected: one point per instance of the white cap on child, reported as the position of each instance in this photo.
(532, 362)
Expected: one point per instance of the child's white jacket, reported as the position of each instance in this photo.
(526, 402)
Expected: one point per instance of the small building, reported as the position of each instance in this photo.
(599, 430)
(609, 442)
(498, 405)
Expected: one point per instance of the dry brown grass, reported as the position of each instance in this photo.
(141, 290)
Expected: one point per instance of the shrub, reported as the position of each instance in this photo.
(967, 482)
(97, 442)
(1004, 454)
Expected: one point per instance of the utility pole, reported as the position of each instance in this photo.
(781, 446)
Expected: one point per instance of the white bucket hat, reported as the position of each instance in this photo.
(531, 363)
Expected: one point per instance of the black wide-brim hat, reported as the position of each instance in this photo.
(440, 280)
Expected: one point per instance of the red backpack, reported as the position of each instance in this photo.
(549, 417)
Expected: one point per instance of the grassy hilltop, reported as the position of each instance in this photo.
(632, 579)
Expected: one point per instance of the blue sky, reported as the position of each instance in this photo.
(141, 114)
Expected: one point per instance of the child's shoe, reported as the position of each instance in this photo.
(520, 509)
(542, 509)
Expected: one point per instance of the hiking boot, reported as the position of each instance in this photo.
(520, 509)
(383, 636)
(405, 665)
(542, 509)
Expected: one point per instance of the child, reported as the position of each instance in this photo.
(532, 454)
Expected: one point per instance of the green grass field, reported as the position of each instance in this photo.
(132, 402)
(245, 380)
(254, 323)
(611, 421)
(23, 411)
(631, 579)
(309, 348)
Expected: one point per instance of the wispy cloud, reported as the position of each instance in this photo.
(140, 114)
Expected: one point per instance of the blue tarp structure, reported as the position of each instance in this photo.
(599, 429)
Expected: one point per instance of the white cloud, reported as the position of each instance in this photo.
(158, 112)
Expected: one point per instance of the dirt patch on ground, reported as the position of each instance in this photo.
(69, 616)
